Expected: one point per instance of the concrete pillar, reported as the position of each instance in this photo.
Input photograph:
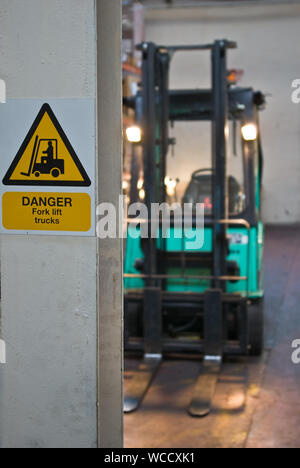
(61, 302)
(110, 250)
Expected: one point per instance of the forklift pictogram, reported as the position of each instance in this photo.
(46, 156)
(44, 159)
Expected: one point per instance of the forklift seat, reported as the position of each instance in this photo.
(199, 190)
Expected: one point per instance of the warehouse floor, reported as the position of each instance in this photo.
(271, 416)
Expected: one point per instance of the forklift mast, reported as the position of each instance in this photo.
(155, 95)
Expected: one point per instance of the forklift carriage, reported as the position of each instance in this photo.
(209, 301)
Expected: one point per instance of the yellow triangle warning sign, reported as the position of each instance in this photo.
(46, 156)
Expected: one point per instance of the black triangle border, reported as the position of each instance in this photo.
(47, 109)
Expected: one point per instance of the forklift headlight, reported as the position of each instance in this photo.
(140, 183)
(142, 194)
(134, 134)
(249, 132)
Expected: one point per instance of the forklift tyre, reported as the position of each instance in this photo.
(256, 327)
(37, 174)
(55, 173)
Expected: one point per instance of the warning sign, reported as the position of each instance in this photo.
(46, 211)
(46, 157)
(47, 185)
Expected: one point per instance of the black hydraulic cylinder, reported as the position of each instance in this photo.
(164, 63)
(219, 159)
(152, 321)
(213, 323)
(149, 147)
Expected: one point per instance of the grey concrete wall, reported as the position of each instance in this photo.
(47, 48)
(270, 55)
(48, 321)
(49, 316)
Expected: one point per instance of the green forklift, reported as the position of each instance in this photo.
(206, 302)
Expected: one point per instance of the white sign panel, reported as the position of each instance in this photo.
(48, 167)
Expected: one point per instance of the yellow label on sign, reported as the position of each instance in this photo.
(46, 211)
(46, 156)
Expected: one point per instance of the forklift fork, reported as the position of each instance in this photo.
(140, 382)
(205, 386)
(213, 348)
(141, 379)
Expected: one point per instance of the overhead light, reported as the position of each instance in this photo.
(134, 134)
(249, 132)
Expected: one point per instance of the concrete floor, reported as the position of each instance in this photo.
(271, 416)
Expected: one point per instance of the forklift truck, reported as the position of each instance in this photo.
(208, 302)
(49, 164)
